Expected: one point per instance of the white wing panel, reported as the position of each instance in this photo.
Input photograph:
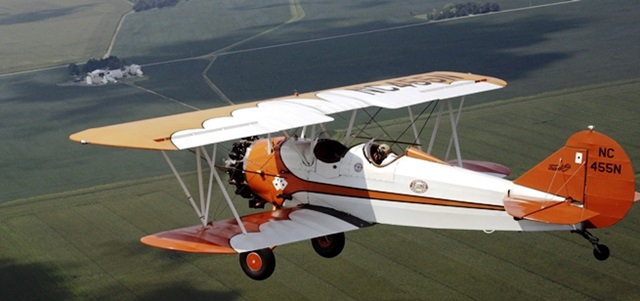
(324, 106)
(267, 117)
(394, 97)
(303, 224)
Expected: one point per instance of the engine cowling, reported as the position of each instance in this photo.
(236, 172)
(255, 169)
(263, 169)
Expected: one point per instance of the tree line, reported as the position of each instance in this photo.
(460, 10)
(140, 5)
(111, 63)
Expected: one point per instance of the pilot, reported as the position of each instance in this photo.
(384, 155)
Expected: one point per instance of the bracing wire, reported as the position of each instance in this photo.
(424, 125)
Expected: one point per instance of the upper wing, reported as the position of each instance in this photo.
(265, 229)
(193, 129)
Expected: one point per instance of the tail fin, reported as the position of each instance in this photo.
(592, 171)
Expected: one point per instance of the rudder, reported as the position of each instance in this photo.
(592, 170)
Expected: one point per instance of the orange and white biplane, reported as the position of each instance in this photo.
(320, 188)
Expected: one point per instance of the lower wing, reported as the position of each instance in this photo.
(265, 229)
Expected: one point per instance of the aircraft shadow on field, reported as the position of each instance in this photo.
(45, 281)
(164, 280)
(185, 291)
(31, 281)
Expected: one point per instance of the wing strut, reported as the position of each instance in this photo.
(415, 130)
(202, 218)
(214, 171)
(347, 135)
(454, 117)
(203, 211)
(454, 130)
(435, 130)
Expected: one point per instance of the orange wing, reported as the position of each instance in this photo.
(265, 229)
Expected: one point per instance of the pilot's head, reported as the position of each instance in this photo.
(384, 149)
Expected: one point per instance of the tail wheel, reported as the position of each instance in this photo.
(601, 252)
(258, 264)
(329, 246)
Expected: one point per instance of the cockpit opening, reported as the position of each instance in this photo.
(379, 154)
(329, 151)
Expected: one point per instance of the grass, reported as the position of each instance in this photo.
(163, 34)
(84, 243)
(39, 33)
(564, 51)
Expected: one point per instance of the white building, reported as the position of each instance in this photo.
(105, 76)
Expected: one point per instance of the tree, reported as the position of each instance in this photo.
(451, 10)
(112, 63)
(140, 5)
(73, 69)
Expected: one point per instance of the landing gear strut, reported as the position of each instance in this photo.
(600, 252)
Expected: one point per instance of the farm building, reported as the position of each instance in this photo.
(104, 76)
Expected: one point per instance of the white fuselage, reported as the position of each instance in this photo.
(409, 191)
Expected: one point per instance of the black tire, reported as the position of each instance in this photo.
(601, 252)
(258, 264)
(328, 246)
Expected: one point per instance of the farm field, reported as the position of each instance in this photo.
(83, 245)
(39, 33)
(37, 115)
(565, 50)
(71, 215)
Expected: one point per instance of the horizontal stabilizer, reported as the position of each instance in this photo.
(265, 229)
(561, 213)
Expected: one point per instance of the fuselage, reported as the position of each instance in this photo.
(410, 191)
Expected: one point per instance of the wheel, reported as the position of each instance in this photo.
(601, 252)
(258, 264)
(328, 246)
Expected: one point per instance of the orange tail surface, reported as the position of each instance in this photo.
(593, 173)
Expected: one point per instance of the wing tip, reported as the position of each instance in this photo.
(179, 240)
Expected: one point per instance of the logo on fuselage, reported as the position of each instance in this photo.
(560, 167)
(418, 186)
(279, 183)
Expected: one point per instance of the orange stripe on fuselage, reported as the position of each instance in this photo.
(261, 168)
(390, 196)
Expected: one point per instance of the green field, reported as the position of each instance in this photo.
(83, 245)
(37, 115)
(71, 215)
(38, 33)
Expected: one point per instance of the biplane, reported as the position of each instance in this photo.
(318, 188)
